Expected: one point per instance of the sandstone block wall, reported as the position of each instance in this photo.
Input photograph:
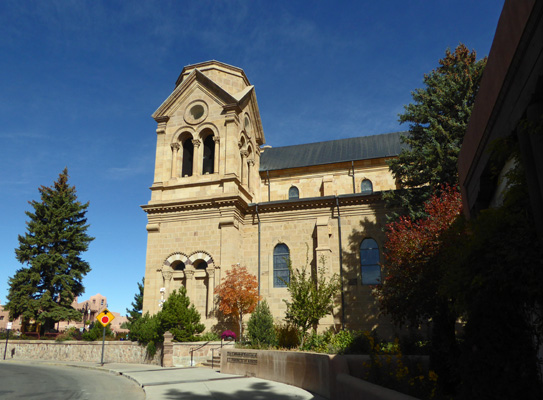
(114, 352)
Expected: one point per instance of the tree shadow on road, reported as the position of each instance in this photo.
(253, 391)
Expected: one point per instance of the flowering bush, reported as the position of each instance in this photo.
(228, 335)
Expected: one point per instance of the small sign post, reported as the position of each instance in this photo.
(9, 325)
(105, 318)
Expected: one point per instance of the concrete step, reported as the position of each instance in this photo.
(215, 362)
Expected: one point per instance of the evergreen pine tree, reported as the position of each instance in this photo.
(438, 120)
(45, 288)
(260, 326)
(180, 317)
(137, 305)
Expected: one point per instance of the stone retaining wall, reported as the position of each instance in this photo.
(114, 351)
(309, 371)
(331, 376)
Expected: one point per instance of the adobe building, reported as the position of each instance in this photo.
(220, 197)
(89, 309)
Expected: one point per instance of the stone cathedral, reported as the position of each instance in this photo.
(221, 197)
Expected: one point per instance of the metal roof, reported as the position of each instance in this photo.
(332, 151)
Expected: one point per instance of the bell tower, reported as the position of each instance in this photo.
(209, 135)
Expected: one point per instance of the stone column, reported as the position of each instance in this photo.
(167, 274)
(250, 165)
(323, 233)
(167, 359)
(196, 158)
(230, 240)
(210, 291)
(161, 150)
(175, 156)
(328, 185)
(189, 279)
(229, 140)
(244, 166)
(216, 163)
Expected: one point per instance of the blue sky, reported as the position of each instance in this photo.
(80, 79)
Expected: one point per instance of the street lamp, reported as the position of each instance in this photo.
(161, 301)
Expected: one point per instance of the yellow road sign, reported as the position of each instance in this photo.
(105, 317)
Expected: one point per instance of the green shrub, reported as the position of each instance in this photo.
(317, 342)
(332, 343)
(287, 336)
(260, 326)
(96, 332)
(145, 329)
(178, 316)
(342, 341)
(72, 333)
(151, 349)
(361, 343)
(209, 336)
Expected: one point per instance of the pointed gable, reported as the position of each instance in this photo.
(226, 84)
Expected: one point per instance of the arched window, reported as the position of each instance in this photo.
(281, 273)
(178, 266)
(367, 187)
(369, 262)
(200, 264)
(293, 193)
(209, 155)
(188, 154)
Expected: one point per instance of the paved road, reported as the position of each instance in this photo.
(124, 381)
(51, 382)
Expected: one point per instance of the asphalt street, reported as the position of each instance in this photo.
(52, 382)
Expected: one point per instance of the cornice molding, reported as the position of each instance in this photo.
(318, 202)
(191, 205)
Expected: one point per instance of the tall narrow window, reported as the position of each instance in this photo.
(281, 274)
(369, 262)
(209, 155)
(367, 187)
(188, 154)
(293, 193)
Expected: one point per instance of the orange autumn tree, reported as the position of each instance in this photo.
(238, 294)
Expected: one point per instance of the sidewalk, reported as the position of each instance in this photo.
(198, 383)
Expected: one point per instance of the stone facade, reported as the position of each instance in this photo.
(216, 202)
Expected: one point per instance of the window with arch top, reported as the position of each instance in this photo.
(208, 164)
(369, 262)
(366, 187)
(281, 273)
(178, 266)
(293, 193)
(188, 154)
